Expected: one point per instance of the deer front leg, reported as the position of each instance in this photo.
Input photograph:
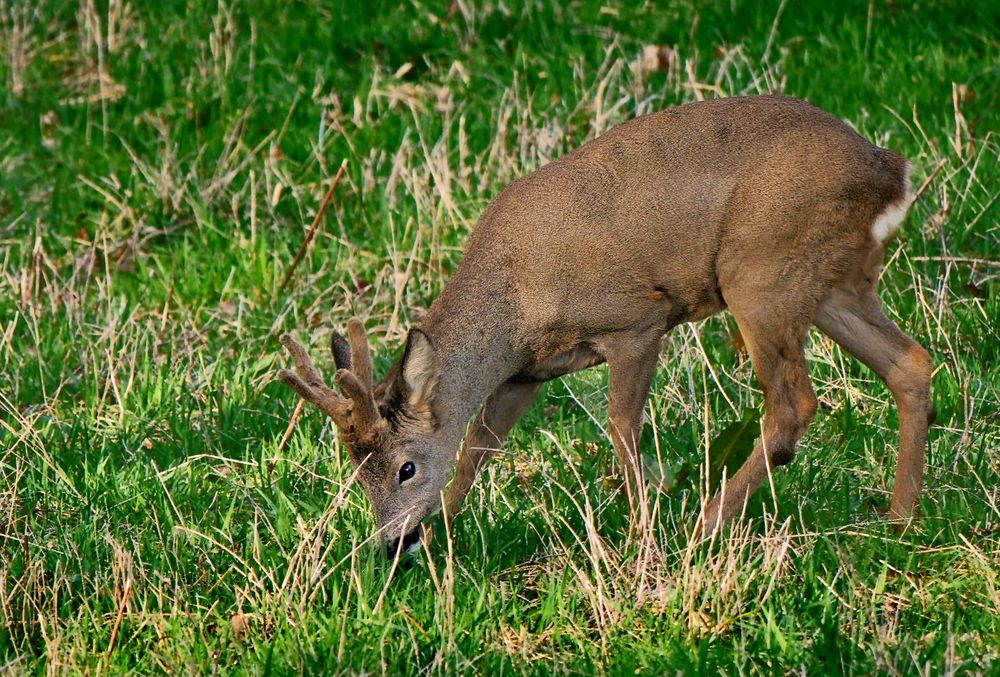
(632, 364)
(500, 412)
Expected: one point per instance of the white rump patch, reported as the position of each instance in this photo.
(887, 223)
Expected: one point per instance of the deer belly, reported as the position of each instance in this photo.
(564, 362)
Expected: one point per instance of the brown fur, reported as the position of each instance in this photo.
(762, 205)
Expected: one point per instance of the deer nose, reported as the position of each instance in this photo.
(411, 542)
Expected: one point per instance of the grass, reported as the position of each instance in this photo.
(159, 165)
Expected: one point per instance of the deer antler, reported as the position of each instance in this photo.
(354, 377)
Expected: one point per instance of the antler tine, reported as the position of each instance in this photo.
(303, 363)
(341, 350)
(308, 383)
(364, 410)
(361, 359)
(297, 384)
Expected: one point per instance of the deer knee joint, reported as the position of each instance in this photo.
(781, 454)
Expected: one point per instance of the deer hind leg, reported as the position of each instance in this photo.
(776, 351)
(500, 412)
(856, 322)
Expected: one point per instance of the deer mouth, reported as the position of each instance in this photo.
(410, 544)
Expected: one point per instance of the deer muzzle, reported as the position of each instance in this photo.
(410, 543)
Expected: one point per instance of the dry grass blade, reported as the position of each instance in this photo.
(291, 425)
(929, 180)
(312, 229)
(126, 594)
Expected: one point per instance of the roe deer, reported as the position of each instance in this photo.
(767, 206)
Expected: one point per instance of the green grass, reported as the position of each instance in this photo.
(159, 163)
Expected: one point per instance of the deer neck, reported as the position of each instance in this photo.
(471, 326)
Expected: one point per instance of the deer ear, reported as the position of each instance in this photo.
(420, 370)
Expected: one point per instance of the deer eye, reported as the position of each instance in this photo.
(407, 471)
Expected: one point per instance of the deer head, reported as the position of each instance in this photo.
(389, 428)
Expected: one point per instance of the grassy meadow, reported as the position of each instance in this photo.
(160, 164)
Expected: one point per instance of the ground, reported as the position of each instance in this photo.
(160, 164)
